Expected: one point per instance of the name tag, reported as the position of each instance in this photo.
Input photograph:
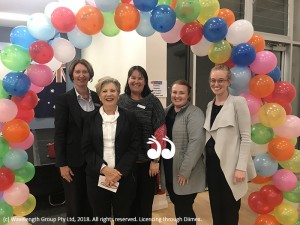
(97, 104)
(141, 106)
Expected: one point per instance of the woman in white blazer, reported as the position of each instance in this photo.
(229, 165)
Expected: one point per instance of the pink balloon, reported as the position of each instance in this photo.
(253, 103)
(290, 128)
(265, 62)
(17, 194)
(35, 88)
(173, 35)
(284, 180)
(26, 144)
(8, 110)
(40, 75)
(63, 19)
(254, 119)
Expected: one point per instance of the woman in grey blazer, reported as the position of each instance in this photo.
(184, 174)
(229, 165)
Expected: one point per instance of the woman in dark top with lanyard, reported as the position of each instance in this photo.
(70, 109)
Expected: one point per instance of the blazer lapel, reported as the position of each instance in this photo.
(208, 115)
(98, 125)
(120, 122)
(75, 107)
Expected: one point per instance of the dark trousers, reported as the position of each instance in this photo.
(77, 203)
(224, 207)
(183, 205)
(142, 206)
(107, 204)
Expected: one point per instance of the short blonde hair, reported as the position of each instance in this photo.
(107, 80)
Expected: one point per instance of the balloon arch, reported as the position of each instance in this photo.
(201, 24)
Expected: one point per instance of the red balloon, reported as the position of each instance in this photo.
(228, 63)
(266, 219)
(284, 90)
(272, 195)
(41, 52)
(63, 19)
(7, 178)
(191, 33)
(258, 204)
(25, 114)
(27, 101)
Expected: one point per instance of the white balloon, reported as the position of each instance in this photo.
(74, 5)
(239, 32)
(51, 7)
(202, 47)
(173, 35)
(3, 70)
(63, 49)
(8, 110)
(54, 64)
(40, 26)
(79, 39)
(257, 149)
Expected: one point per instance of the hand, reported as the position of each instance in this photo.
(239, 176)
(112, 175)
(182, 180)
(154, 169)
(66, 173)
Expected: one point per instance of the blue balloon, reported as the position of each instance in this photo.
(240, 77)
(20, 36)
(243, 54)
(163, 18)
(265, 165)
(16, 83)
(144, 28)
(15, 159)
(275, 74)
(145, 5)
(215, 29)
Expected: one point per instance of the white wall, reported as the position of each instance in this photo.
(113, 56)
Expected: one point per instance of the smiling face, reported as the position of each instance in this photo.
(136, 82)
(109, 95)
(179, 95)
(81, 75)
(219, 82)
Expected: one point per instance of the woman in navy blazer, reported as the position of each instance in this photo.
(70, 109)
(110, 144)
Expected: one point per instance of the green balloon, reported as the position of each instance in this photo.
(261, 134)
(1, 162)
(25, 173)
(15, 58)
(110, 28)
(293, 195)
(6, 211)
(187, 10)
(298, 221)
(4, 147)
(164, 2)
(3, 93)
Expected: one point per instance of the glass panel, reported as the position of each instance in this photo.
(296, 19)
(271, 16)
(236, 6)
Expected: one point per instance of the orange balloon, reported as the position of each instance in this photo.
(260, 179)
(127, 17)
(15, 130)
(266, 219)
(173, 4)
(89, 20)
(258, 42)
(281, 149)
(261, 86)
(227, 15)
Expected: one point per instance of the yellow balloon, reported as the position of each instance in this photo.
(208, 9)
(293, 164)
(272, 115)
(286, 214)
(219, 52)
(26, 208)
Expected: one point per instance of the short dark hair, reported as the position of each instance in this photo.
(83, 62)
(146, 91)
(184, 83)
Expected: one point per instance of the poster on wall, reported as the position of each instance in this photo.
(158, 88)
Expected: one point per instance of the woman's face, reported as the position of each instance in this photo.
(179, 95)
(219, 82)
(81, 75)
(136, 82)
(109, 95)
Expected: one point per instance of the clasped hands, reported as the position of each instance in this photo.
(111, 176)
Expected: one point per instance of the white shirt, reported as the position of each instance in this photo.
(109, 125)
(86, 105)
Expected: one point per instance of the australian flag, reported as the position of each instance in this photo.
(45, 106)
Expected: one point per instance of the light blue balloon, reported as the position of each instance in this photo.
(265, 165)
(163, 18)
(20, 36)
(144, 28)
(240, 77)
(107, 5)
(15, 159)
(40, 26)
(79, 39)
(235, 92)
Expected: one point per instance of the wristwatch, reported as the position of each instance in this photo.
(155, 160)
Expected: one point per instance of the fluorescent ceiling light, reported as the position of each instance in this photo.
(13, 16)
